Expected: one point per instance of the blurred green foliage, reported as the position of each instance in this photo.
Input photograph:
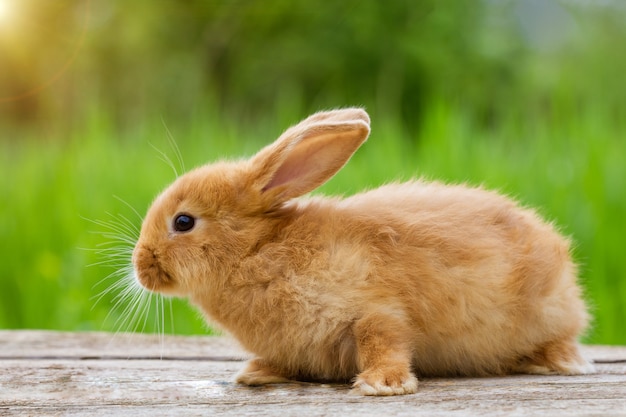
(497, 58)
(525, 96)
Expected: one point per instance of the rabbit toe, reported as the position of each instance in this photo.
(380, 384)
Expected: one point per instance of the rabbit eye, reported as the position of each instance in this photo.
(184, 223)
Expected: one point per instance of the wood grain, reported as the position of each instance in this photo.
(99, 374)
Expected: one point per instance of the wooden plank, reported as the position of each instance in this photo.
(99, 344)
(96, 374)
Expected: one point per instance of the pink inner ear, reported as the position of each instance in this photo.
(300, 165)
(284, 176)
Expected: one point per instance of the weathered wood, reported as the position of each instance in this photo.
(99, 374)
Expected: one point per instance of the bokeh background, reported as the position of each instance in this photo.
(524, 96)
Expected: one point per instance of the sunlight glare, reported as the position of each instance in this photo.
(4, 10)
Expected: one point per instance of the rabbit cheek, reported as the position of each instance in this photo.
(149, 272)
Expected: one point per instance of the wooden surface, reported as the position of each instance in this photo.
(100, 374)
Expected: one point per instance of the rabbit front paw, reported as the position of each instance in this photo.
(385, 382)
(257, 372)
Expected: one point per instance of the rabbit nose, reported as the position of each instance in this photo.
(148, 271)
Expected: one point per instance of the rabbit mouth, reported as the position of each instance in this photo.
(149, 272)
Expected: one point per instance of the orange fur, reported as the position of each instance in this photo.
(415, 277)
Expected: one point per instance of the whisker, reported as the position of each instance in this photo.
(115, 286)
(119, 225)
(174, 146)
(129, 316)
(132, 307)
(171, 315)
(161, 319)
(133, 209)
(131, 227)
(163, 157)
(123, 228)
(146, 312)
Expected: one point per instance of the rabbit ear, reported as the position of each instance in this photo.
(309, 153)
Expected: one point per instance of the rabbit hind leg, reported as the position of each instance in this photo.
(556, 358)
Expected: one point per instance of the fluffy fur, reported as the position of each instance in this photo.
(414, 278)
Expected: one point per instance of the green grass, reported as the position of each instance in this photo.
(573, 170)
